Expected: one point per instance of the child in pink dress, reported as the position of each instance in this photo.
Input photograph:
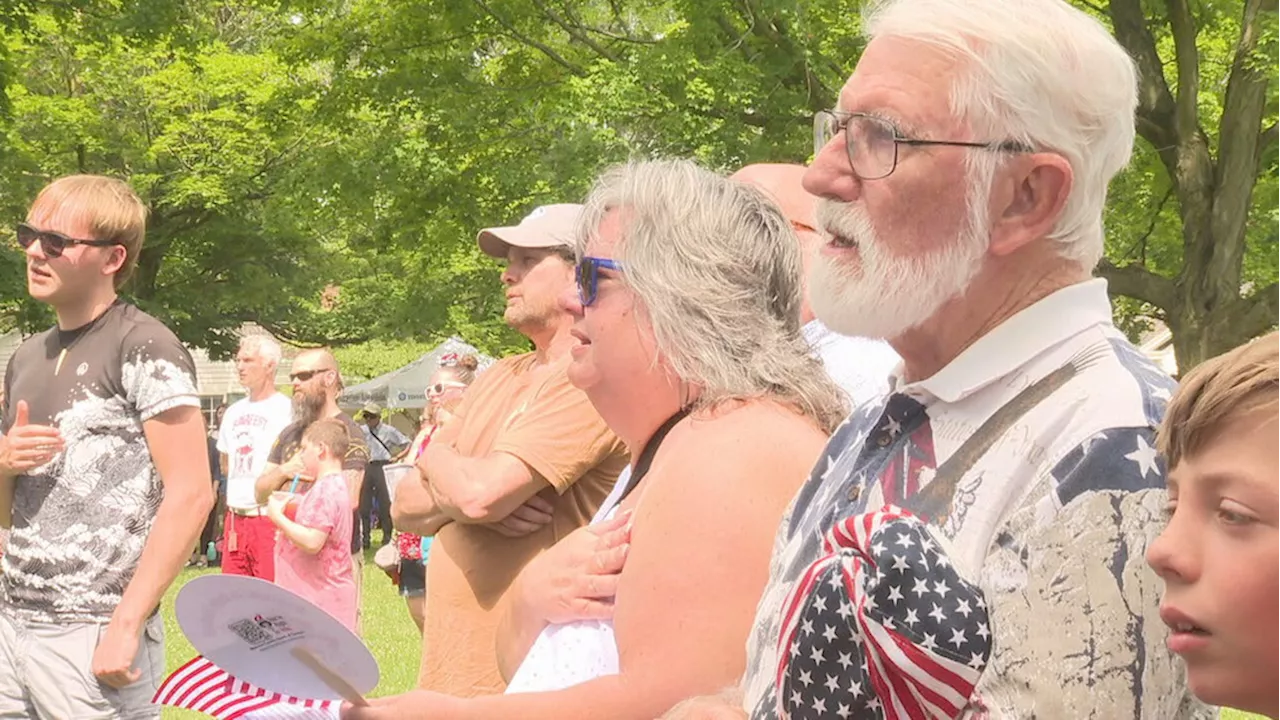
(313, 545)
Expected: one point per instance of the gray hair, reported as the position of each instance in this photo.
(1039, 72)
(262, 346)
(716, 267)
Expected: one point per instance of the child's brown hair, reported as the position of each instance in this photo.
(330, 433)
(1218, 391)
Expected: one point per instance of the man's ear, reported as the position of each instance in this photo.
(1029, 201)
(115, 260)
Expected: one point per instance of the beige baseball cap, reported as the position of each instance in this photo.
(546, 227)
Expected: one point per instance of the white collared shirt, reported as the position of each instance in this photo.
(1049, 522)
(390, 439)
(860, 366)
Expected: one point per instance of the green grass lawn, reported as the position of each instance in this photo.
(388, 631)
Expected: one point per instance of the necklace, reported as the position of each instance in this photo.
(79, 333)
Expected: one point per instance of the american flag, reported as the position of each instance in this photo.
(204, 687)
(881, 627)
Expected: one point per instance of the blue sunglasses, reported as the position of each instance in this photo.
(587, 274)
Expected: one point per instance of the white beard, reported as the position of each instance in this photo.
(884, 295)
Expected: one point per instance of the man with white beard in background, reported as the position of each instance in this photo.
(972, 545)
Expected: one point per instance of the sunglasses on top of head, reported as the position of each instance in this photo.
(587, 275)
(53, 244)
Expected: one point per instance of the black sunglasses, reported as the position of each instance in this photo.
(305, 375)
(587, 275)
(54, 244)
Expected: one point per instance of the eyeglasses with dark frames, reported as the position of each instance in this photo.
(53, 244)
(871, 143)
(587, 274)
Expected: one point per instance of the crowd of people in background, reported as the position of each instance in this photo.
(851, 440)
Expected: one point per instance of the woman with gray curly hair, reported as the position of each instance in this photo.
(688, 344)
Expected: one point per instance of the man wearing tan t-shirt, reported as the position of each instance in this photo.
(524, 461)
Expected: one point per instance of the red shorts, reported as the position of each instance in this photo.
(249, 547)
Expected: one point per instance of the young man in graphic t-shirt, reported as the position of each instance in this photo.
(104, 471)
(248, 431)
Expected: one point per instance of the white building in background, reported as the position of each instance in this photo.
(216, 379)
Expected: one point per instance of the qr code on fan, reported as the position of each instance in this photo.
(252, 632)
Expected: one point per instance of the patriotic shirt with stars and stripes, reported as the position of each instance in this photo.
(1028, 595)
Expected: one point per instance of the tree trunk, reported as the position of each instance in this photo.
(1203, 304)
(1195, 337)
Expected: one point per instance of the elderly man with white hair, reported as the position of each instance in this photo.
(248, 430)
(972, 546)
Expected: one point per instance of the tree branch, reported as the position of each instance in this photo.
(1267, 139)
(428, 43)
(304, 338)
(1187, 57)
(1155, 115)
(575, 32)
(1260, 312)
(1137, 282)
(620, 38)
(1243, 106)
(733, 39)
(618, 13)
(1151, 226)
(776, 32)
(551, 54)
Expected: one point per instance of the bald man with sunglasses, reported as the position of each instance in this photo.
(317, 383)
(104, 473)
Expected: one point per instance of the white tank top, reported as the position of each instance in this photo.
(575, 652)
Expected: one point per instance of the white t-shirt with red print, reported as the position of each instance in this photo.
(248, 431)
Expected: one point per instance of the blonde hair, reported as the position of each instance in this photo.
(112, 210)
(1218, 391)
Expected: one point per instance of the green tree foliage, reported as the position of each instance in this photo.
(1193, 224)
(212, 142)
(360, 145)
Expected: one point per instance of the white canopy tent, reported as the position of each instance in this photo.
(404, 387)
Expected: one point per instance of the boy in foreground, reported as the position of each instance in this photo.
(1218, 554)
